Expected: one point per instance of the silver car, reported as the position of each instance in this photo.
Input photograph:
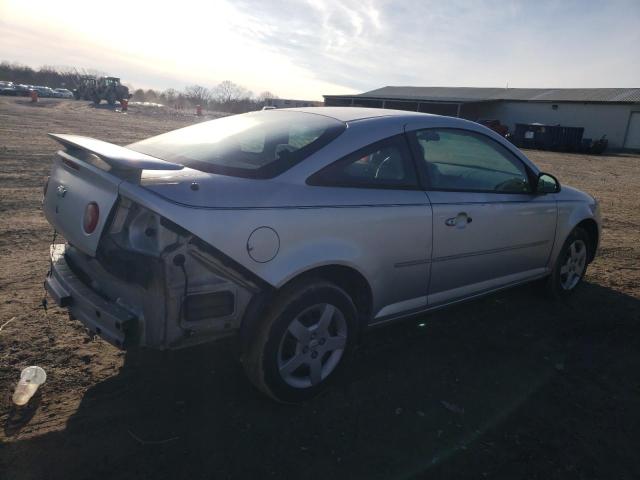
(298, 229)
(63, 93)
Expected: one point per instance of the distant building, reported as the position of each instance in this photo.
(289, 103)
(614, 112)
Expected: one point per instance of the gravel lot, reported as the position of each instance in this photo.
(510, 386)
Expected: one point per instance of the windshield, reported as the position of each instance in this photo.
(255, 145)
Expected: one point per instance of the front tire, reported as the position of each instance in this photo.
(571, 264)
(303, 342)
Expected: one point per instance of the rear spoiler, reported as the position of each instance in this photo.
(120, 158)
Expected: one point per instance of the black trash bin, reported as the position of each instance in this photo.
(548, 137)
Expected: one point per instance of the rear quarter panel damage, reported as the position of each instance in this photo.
(372, 239)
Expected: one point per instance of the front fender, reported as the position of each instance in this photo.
(570, 214)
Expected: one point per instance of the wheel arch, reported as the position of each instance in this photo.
(590, 226)
(345, 277)
(348, 279)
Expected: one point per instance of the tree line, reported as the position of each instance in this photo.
(47, 75)
(227, 96)
(224, 97)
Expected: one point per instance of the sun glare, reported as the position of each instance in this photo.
(202, 42)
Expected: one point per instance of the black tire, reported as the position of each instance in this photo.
(96, 100)
(263, 355)
(558, 284)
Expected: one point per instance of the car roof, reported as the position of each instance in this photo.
(349, 114)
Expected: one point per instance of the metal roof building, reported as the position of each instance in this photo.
(614, 112)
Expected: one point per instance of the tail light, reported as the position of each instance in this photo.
(91, 217)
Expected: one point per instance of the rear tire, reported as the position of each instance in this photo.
(571, 265)
(303, 342)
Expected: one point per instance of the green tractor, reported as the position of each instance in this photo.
(84, 90)
(109, 89)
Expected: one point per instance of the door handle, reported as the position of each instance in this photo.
(461, 220)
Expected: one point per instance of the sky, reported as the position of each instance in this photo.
(304, 49)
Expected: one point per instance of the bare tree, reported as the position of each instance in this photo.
(151, 95)
(197, 94)
(169, 96)
(138, 95)
(227, 92)
(266, 95)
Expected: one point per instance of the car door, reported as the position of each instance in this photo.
(489, 228)
(389, 224)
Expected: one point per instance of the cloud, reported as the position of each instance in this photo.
(364, 45)
(314, 47)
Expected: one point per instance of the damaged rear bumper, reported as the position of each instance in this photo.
(152, 284)
(100, 316)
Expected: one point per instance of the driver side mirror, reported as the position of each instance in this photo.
(547, 183)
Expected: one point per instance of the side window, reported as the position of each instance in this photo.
(384, 164)
(467, 161)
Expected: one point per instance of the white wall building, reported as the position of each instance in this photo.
(614, 112)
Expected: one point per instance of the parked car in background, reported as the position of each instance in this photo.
(23, 90)
(298, 229)
(63, 93)
(44, 92)
(7, 88)
(15, 90)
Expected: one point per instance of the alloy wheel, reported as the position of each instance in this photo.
(574, 264)
(312, 345)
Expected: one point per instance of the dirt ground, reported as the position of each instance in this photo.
(511, 386)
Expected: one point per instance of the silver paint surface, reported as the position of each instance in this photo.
(398, 240)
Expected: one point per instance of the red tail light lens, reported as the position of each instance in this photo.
(91, 217)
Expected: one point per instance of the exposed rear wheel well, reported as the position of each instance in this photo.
(591, 228)
(349, 280)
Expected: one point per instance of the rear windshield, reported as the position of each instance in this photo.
(254, 145)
